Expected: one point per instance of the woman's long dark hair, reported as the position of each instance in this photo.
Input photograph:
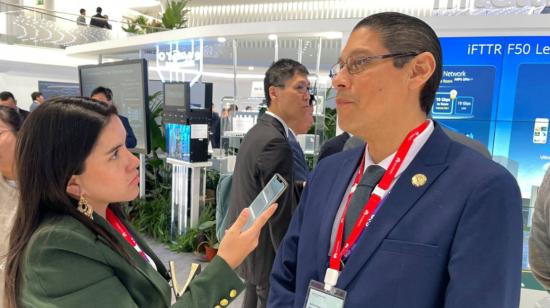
(52, 145)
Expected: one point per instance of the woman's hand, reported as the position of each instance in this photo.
(236, 244)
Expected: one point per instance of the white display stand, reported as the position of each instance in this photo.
(187, 193)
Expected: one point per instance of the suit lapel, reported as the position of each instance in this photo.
(336, 193)
(271, 121)
(430, 161)
(141, 265)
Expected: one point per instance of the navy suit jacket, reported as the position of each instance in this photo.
(301, 170)
(454, 242)
(131, 140)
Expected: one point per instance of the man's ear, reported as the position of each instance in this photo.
(273, 92)
(73, 187)
(422, 69)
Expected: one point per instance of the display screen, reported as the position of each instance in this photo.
(51, 89)
(178, 138)
(128, 81)
(174, 94)
(492, 90)
(198, 92)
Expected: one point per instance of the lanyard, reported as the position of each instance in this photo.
(122, 230)
(370, 207)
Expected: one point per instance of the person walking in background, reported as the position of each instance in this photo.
(265, 150)
(37, 99)
(98, 20)
(7, 99)
(81, 20)
(105, 95)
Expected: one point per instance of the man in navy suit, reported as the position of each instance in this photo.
(106, 95)
(448, 229)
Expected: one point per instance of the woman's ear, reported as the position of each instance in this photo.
(73, 187)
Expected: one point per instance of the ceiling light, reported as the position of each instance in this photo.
(221, 39)
(333, 35)
(272, 37)
(251, 68)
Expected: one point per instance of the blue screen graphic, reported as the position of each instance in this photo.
(494, 90)
(178, 138)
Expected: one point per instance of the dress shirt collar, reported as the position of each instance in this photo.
(280, 120)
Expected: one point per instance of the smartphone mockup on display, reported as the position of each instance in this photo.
(271, 192)
(540, 133)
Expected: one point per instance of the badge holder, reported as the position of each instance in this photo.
(319, 297)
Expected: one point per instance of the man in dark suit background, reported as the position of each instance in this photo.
(7, 99)
(99, 20)
(106, 95)
(265, 151)
(448, 232)
(297, 127)
(333, 145)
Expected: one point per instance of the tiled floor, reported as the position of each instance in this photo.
(183, 264)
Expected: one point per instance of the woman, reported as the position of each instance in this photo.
(70, 246)
(10, 122)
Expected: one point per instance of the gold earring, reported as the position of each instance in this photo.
(85, 208)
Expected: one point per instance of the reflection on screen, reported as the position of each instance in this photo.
(266, 197)
(174, 95)
(198, 92)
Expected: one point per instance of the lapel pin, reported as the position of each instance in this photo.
(419, 179)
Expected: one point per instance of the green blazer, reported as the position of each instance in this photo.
(66, 265)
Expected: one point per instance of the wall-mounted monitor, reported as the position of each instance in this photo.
(129, 82)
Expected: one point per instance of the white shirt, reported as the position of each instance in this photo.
(280, 120)
(385, 163)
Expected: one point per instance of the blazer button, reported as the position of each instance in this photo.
(233, 293)
(224, 302)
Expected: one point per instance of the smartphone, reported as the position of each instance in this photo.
(540, 133)
(271, 192)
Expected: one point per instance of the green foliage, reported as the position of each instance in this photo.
(194, 238)
(187, 242)
(152, 216)
(141, 25)
(330, 123)
(174, 15)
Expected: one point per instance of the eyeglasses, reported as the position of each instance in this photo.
(303, 89)
(357, 64)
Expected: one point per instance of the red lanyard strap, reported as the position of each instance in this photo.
(372, 204)
(122, 230)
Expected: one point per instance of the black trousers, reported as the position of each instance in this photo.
(255, 296)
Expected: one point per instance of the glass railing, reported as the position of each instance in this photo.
(38, 27)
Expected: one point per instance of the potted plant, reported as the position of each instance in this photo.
(210, 243)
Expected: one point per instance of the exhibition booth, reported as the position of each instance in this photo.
(170, 85)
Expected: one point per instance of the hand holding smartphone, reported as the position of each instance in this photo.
(271, 192)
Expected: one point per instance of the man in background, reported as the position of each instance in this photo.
(299, 127)
(265, 150)
(7, 99)
(98, 20)
(37, 99)
(81, 20)
(539, 241)
(106, 95)
(413, 219)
